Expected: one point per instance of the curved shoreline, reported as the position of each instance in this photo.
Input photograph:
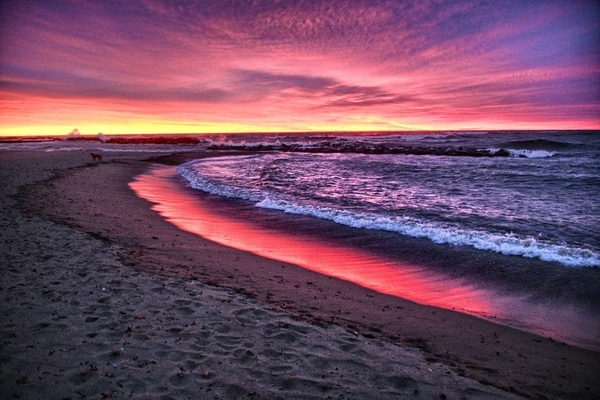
(467, 346)
(192, 211)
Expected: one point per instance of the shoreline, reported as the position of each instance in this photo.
(316, 245)
(469, 347)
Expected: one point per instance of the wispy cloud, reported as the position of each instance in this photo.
(308, 62)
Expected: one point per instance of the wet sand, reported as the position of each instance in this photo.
(103, 297)
(342, 252)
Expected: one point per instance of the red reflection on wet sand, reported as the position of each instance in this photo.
(186, 211)
(163, 187)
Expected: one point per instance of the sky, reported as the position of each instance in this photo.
(154, 66)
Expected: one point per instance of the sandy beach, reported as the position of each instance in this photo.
(103, 298)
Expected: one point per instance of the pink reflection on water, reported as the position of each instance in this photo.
(186, 211)
(189, 212)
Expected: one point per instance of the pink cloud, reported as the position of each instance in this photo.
(309, 61)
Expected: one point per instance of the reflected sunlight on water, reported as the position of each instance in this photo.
(186, 211)
(163, 187)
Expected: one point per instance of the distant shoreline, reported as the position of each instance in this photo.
(187, 138)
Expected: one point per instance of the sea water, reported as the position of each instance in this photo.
(525, 194)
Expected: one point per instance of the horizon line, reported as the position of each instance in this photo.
(92, 135)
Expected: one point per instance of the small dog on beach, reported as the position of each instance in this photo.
(96, 157)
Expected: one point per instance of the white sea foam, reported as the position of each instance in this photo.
(65, 149)
(508, 244)
(109, 148)
(501, 243)
(200, 183)
(521, 153)
(531, 153)
(26, 146)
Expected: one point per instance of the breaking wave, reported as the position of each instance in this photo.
(521, 153)
(508, 244)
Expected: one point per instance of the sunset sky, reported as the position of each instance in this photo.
(155, 66)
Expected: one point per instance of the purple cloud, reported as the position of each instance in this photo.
(431, 57)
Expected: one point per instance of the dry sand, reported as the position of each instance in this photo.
(101, 298)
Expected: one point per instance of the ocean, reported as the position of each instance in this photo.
(540, 201)
(511, 216)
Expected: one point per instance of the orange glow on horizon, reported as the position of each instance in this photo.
(313, 66)
(181, 129)
(53, 117)
(40, 116)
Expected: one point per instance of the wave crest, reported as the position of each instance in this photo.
(507, 244)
